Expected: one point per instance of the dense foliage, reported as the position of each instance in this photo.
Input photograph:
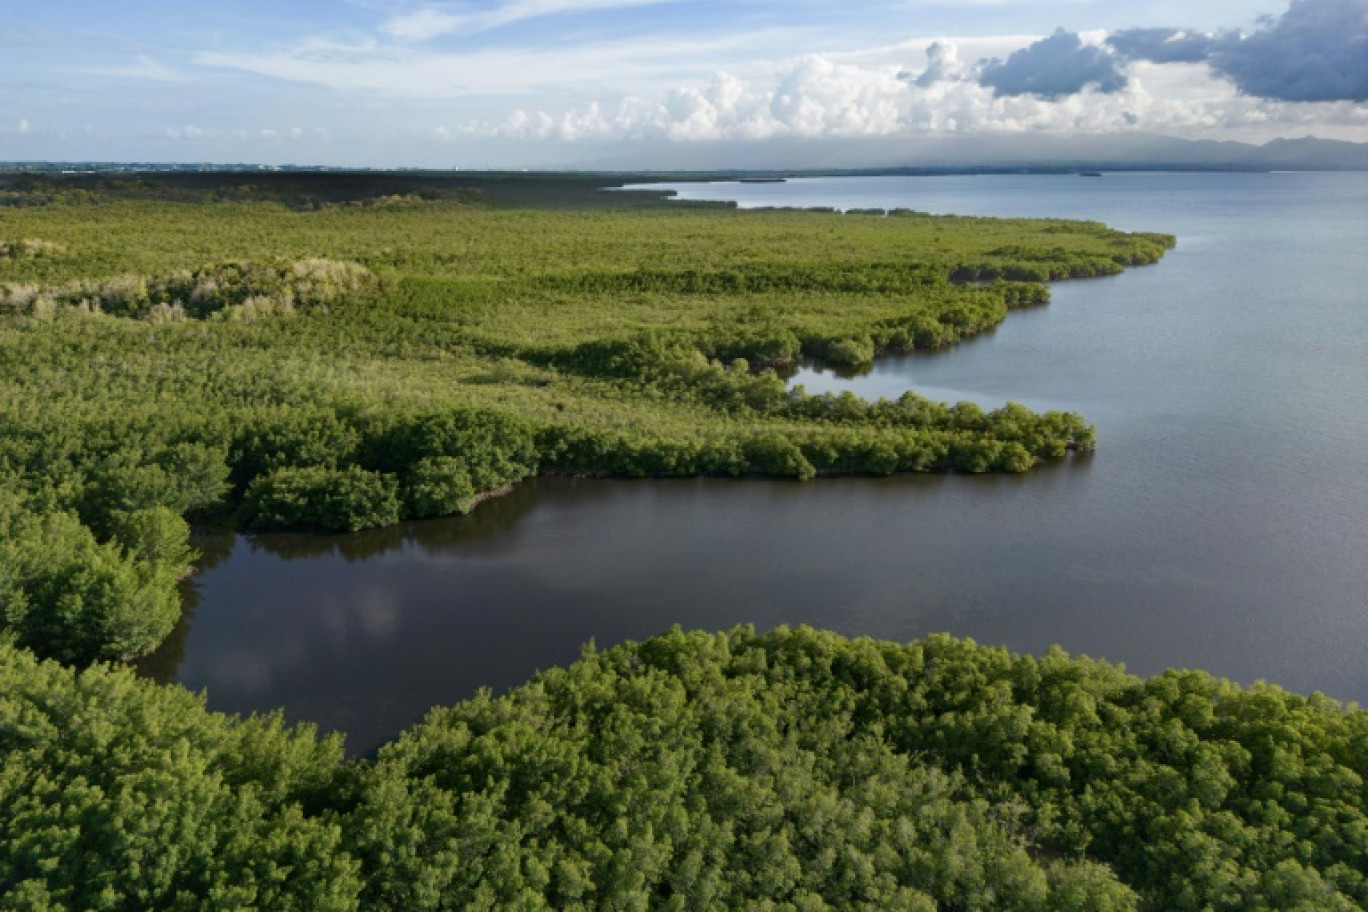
(75, 598)
(792, 770)
(118, 794)
(339, 353)
(300, 357)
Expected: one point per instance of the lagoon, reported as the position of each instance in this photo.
(1220, 525)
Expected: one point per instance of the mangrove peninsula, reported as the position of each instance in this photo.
(333, 352)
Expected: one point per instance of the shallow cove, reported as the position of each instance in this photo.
(1219, 526)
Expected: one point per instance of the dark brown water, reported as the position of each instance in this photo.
(1221, 524)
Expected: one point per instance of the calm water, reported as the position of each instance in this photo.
(1220, 525)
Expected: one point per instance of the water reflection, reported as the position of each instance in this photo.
(891, 377)
(364, 633)
(493, 517)
(1219, 525)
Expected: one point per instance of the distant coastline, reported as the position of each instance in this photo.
(934, 155)
(777, 176)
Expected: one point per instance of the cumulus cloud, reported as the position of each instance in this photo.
(1162, 45)
(1053, 68)
(23, 126)
(668, 87)
(822, 97)
(942, 64)
(1317, 51)
(814, 97)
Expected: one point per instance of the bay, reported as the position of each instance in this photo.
(1221, 524)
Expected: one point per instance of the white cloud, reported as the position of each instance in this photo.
(422, 25)
(942, 65)
(369, 66)
(818, 96)
(23, 126)
(428, 22)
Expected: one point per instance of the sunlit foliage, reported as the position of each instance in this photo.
(300, 357)
(791, 770)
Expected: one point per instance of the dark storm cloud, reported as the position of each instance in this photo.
(1053, 68)
(1162, 45)
(1316, 51)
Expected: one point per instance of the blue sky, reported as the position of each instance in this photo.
(565, 82)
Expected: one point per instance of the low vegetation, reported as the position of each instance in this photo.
(29, 249)
(234, 291)
(338, 353)
(793, 770)
(300, 356)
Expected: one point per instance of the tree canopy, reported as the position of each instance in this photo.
(271, 352)
(789, 770)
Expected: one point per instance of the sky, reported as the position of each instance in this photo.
(657, 83)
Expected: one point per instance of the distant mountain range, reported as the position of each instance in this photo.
(1132, 150)
(1112, 151)
(941, 152)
